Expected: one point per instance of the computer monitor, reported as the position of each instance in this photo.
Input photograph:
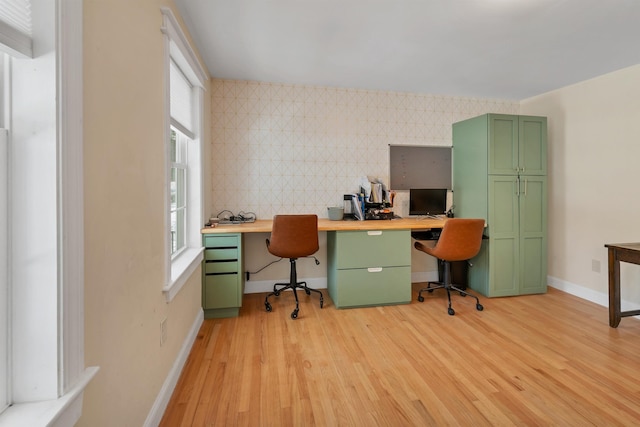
(427, 201)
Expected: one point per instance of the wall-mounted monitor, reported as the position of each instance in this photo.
(427, 201)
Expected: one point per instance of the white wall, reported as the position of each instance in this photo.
(125, 215)
(594, 172)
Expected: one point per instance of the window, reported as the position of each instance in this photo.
(178, 188)
(43, 374)
(183, 141)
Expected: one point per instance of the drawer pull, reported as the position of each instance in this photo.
(374, 269)
(375, 233)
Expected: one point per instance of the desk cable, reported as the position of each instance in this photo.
(227, 215)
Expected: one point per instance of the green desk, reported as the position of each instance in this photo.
(369, 262)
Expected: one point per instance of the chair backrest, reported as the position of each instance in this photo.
(459, 240)
(294, 236)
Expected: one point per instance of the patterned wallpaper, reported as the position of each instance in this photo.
(280, 148)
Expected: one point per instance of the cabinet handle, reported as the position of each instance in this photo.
(374, 269)
(517, 186)
(374, 233)
(525, 187)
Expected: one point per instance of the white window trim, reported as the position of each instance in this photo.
(177, 48)
(62, 404)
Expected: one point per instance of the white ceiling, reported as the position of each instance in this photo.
(505, 49)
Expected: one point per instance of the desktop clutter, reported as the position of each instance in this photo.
(228, 217)
(373, 202)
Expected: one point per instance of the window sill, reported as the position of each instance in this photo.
(64, 411)
(181, 269)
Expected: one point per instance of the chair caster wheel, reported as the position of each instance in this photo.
(267, 306)
(462, 294)
(450, 311)
(277, 293)
(294, 314)
(321, 303)
(479, 307)
(430, 291)
(420, 298)
(307, 291)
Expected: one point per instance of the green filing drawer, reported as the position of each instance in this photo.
(222, 278)
(220, 291)
(372, 248)
(368, 268)
(372, 286)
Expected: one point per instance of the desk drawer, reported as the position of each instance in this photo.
(374, 286)
(218, 241)
(373, 248)
(221, 291)
(221, 254)
(216, 267)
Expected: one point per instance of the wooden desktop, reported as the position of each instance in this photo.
(324, 224)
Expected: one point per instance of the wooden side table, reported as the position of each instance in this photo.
(626, 252)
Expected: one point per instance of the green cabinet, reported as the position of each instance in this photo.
(222, 278)
(516, 144)
(369, 267)
(499, 171)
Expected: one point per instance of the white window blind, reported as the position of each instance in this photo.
(181, 101)
(15, 27)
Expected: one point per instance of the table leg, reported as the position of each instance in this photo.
(614, 289)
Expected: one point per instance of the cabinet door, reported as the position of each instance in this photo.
(503, 144)
(503, 231)
(533, 234)
(532, 145)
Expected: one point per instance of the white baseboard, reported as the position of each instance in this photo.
(162, 400)
(579, 291)
(600, 298)
(424, 276)
(258, 286)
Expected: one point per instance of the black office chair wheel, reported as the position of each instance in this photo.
(462, 294)
(307, 291)
(321, 303)
(276, 293)
(430, 291)
(479, 307)
(294, 314)
(420, 298)
(450, 311)
(267, 306)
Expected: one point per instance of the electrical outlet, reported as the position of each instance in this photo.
(163, 331)
(595, 266)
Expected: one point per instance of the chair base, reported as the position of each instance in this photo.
(448, 288)
(293, 285)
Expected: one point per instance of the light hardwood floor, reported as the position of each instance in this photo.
(547, 359)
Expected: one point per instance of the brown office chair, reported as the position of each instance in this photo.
(460, 240)
(293, 237)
